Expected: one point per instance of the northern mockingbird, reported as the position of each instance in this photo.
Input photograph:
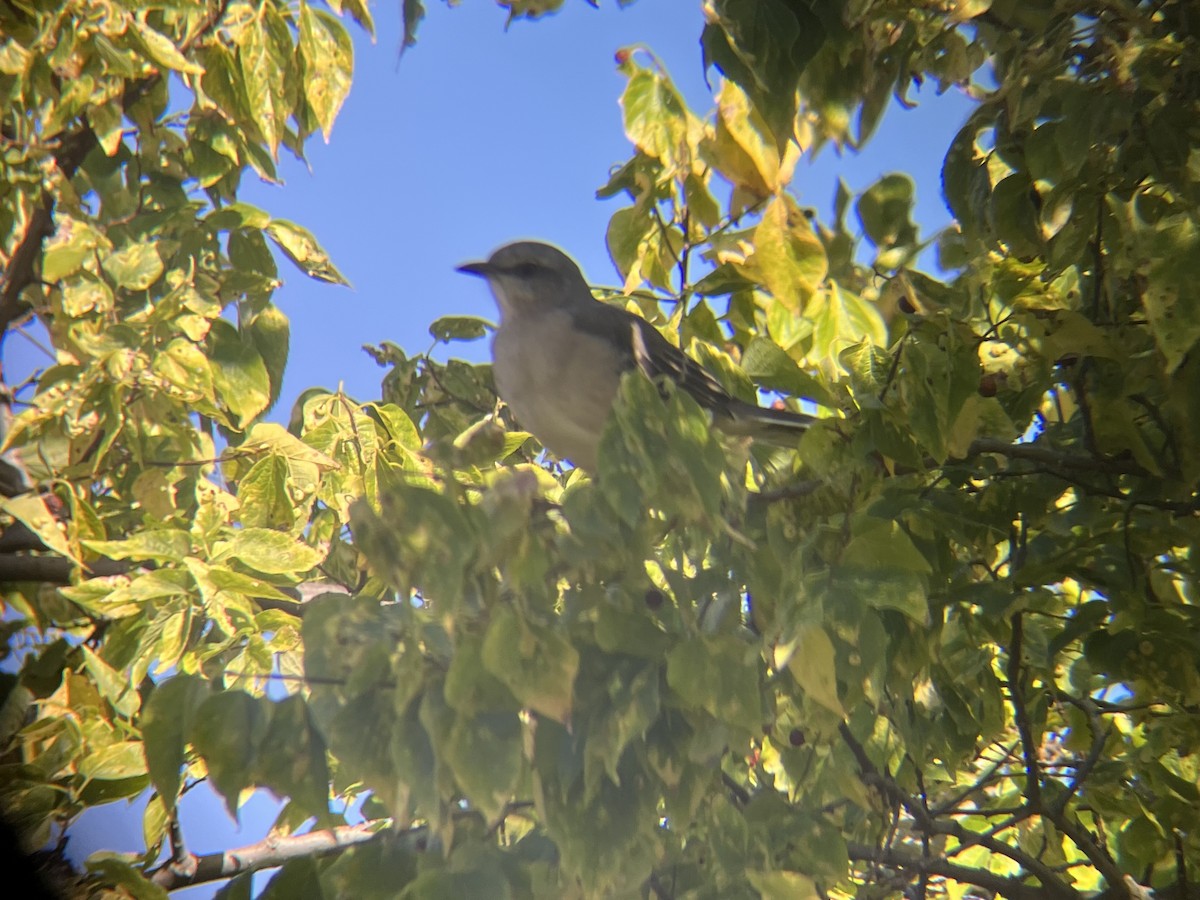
(559, 355)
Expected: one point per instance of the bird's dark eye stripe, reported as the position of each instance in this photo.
(525, 269)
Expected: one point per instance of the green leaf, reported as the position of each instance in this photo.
(1015, 217)
(115, 761)
(113, 686)
(224, 579)
(783, 885)
(135, 267)
(631, 708)
(883, 544)
(400, 428)
(226, 731)
(328, 55)
(1167, 298)
(839, 319)
(809, 657)
(270, 332)
(898, 589)
(270, 437)
(788, 255)
(266, 501)
(237, 215)
(154, 823)
(264, 53)
(107, 120)
(31, 511)
(767, 363)
(166, 721)
(113, 869)
(239, 373)
(885, 211)
(162, 49)
(413, 13)
(291, 757)
(485, 754)
(718, 674)
(965, 183)
(273, 552)
(765, 46)
(538, 665)
(459, 328)
(184, 366)
(161, 545)
(299, 245)
(743, 147)
(625, 239)
(724, 279)
(655, 117)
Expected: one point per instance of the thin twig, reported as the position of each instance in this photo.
(1033, 780)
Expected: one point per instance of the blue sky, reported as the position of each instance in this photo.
(476, 137)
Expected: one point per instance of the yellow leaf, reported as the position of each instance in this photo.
(31, 511)
(809, 657)
(790, 258)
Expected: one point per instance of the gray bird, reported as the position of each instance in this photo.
(559, 355)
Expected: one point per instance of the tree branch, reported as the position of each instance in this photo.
(1004, 886)
(270, 851)
(1099, 738)
(927, 825)
(53, 569)
(1033, 778)
(1047, 456)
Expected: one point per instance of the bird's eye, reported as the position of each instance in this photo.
(525, 269)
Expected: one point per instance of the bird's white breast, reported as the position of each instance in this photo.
(560, 383)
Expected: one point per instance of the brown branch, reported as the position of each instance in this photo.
(1033, 778)
(1090, 847)
(1037, 453)
(1178, 507)
(21, 264)
(53, 569)
(1100, 735)
(790, 491)
(1053, 885)
(950, 805)
(18, 537)
(1004, 886)
(270, 851)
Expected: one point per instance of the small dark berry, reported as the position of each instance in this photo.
(988, 385)
(796, 738)
(654, 598)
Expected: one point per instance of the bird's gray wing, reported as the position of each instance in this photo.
(642, 346)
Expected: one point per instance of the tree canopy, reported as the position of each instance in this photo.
(947, 645)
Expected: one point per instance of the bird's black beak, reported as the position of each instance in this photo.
(482, 269)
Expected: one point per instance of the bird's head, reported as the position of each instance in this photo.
(528, 276)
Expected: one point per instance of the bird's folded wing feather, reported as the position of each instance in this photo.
(642, 345)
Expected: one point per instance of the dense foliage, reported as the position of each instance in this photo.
(949, 644)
